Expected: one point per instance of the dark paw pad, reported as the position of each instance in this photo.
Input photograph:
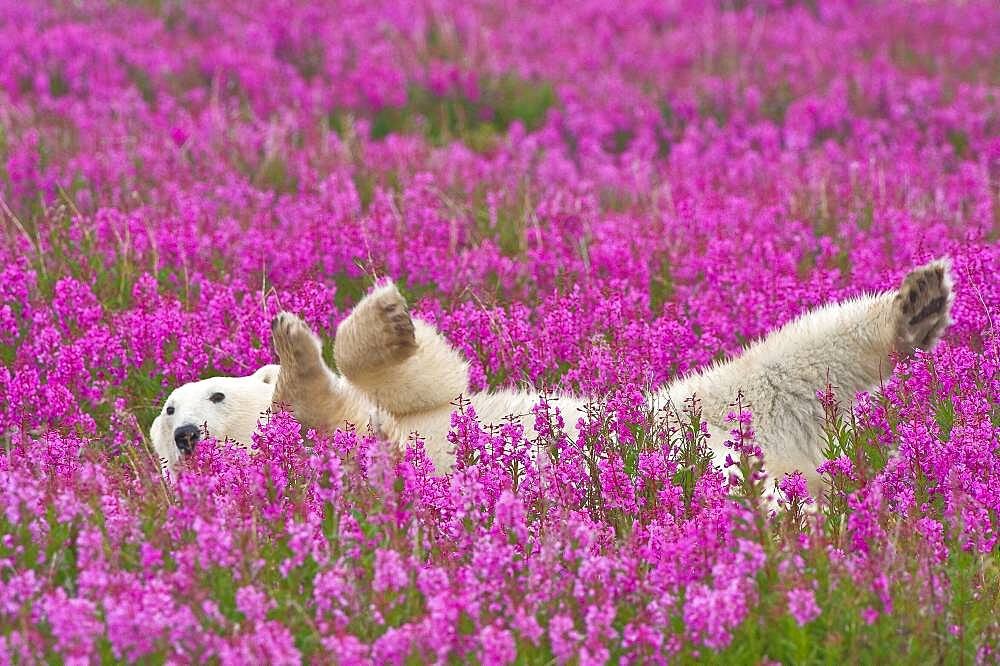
(932, 308)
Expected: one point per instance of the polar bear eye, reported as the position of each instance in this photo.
(170, 411)
(217, 397)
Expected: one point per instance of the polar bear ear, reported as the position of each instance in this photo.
(267, 374)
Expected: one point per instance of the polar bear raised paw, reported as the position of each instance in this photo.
(297, 347)
(922, 307)
(303, 375)
(378, 334)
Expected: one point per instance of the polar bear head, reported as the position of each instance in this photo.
(225, 407)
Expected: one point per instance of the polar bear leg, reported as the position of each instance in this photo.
(377, 333)
(847, 346)
(404, 366)
(316, 396)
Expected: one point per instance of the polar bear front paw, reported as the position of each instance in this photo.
(922, 306)
(299, 350)
(377, 334)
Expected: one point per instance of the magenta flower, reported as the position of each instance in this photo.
(795, 489)
(802, 605)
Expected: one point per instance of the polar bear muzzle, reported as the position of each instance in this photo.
(185, 437)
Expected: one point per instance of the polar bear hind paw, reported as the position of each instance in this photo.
(923, 306)
(378, 334)
(397, 327)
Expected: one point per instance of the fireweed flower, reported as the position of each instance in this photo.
(252, 603)
(795, 490)
(802, 605)
(498, 645)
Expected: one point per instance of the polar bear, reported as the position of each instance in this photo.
(400, 376)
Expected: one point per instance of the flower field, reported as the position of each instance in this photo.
(582, 196)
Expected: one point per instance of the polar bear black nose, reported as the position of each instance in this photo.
(185, 438)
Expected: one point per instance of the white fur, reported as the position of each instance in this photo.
(846, 345)
(436, 375)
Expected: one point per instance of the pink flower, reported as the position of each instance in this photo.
(498, 646)
(74, 624)
(802, 605)
(390, 571)
(253, 603)
(563, 637)
(795, 488)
